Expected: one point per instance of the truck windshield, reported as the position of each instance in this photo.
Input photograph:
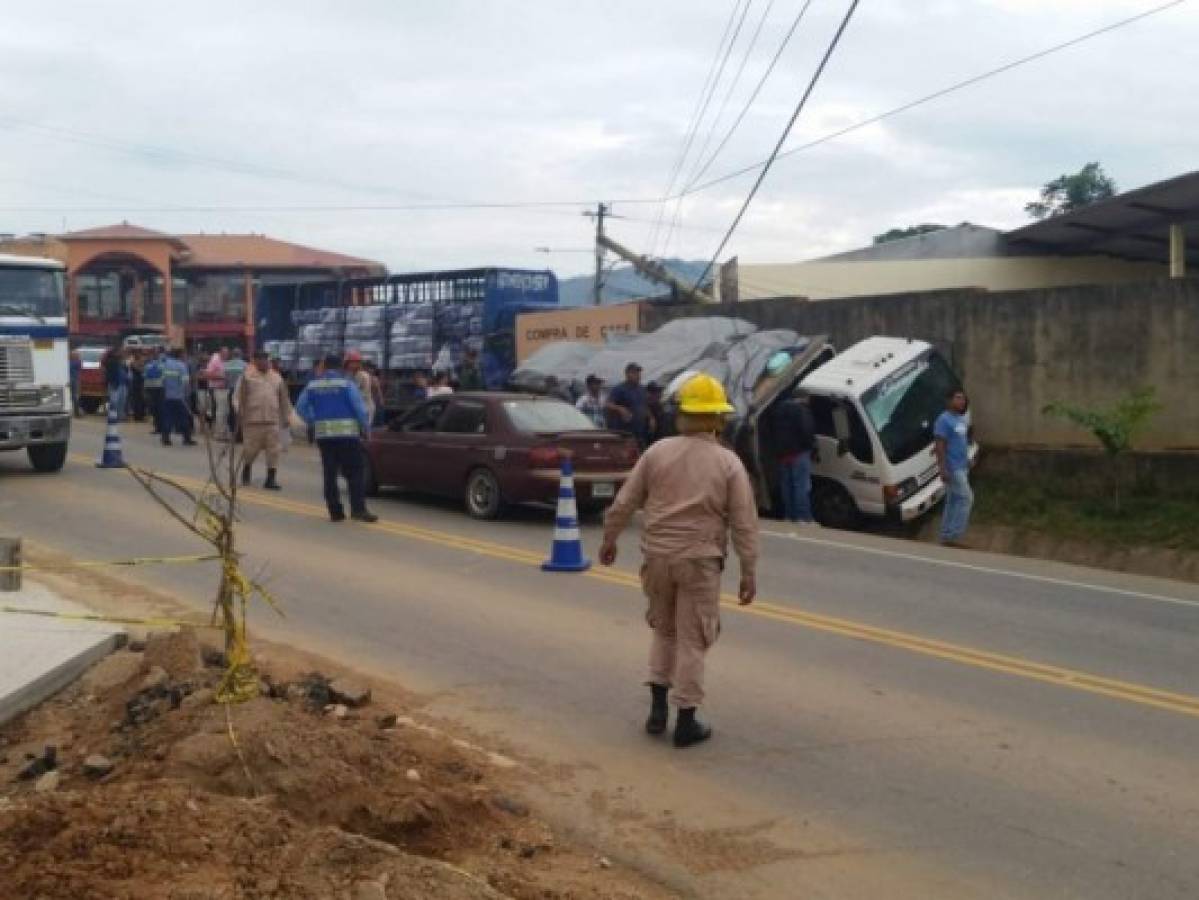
(904, 405)
(31, 292)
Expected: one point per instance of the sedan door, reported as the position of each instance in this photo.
(459, 444)
(402, 452)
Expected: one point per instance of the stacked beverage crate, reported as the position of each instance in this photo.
(366, 332)
(459, 327)
(411, 343)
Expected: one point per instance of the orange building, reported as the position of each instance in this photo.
(196, 288)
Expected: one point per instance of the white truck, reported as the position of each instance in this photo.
(35, 403)
(874, 406)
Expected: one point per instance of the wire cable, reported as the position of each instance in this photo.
(803, 100)
(936, 95)
(752, 98)
(728, 95)
(692, 121)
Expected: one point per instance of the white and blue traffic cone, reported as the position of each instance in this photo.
(111, 458)
(566, 554)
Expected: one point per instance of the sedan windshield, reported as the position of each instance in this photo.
(546, 417)
(31, 292)
(904, 406)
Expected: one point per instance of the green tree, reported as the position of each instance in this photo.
(1069, 192)
(1115, 427)
(898, 234)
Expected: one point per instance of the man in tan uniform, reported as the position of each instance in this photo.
(264, 409)
(694, 492)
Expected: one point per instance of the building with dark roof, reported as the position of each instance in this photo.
(1142, 234)
(196, 288)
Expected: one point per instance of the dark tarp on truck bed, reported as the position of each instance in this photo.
(733, 351)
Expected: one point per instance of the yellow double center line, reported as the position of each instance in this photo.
(1074, 679)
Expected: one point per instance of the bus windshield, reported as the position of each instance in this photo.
(904, 406)
(31, 292)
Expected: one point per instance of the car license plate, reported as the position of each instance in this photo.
(603, 489)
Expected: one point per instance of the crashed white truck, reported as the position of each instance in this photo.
(874, 405)
(35, 405)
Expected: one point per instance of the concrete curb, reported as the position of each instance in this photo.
(53, 680)
(39, 656)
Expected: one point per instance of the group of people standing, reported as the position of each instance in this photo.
(629, 407)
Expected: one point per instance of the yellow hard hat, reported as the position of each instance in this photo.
(703, 394)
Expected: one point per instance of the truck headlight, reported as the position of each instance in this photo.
(894, 494)
(50, 399)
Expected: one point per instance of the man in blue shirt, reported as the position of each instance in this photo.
(332, 404)
(628, 406)
(952, 436)
(152, 381)
(176, 387)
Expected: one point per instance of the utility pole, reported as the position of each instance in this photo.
(600, 212)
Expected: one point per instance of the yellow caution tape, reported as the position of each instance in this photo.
(240, 682)
(101, 563)
(97, 617)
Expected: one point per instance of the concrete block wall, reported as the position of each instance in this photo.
(1019, 350)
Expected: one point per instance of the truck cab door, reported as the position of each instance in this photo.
(846, 453)
(759, 461)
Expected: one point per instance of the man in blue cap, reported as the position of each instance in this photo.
(332, 404)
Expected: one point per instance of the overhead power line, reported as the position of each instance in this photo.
(751, 100)
(936, 95)
(803, 100)
(724, 103)
(693, 121)
(251, 169)
(158, 152)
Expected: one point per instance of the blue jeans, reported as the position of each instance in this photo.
(959, 499)
(795, 482)
(116, 401)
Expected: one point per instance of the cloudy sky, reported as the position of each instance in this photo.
(302, 119)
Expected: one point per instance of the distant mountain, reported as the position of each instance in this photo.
(622, 284)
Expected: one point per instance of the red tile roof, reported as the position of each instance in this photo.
(257, 251)
(233, 251)
(120, 232)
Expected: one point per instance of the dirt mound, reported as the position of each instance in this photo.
(155, 791)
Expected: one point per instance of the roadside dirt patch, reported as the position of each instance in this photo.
(280, 797)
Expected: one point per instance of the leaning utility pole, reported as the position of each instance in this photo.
(600, 212)
(653, 270)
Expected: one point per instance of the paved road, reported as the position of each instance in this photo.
(892, 720)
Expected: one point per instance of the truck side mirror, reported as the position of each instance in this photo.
(841, 429)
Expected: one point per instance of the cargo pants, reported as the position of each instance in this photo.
(258, 437)
(684, 613)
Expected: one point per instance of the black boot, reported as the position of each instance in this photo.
(270, 484)
(659, 712)
(245, 475)
(689, 730)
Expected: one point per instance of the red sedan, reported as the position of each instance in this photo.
(498, 449)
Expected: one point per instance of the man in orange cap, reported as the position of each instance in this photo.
(694, 492)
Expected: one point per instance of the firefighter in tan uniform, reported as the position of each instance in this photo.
(694, 492)
(264, 409)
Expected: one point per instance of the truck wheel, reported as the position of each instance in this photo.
(90, 405)
(834, 507)
(483, 498)
(47, 457)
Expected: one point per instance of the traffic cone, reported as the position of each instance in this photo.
(566, 554)
(111, 458)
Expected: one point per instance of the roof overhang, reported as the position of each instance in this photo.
(1134, 225)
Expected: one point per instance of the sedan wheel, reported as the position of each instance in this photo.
(483, 498)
